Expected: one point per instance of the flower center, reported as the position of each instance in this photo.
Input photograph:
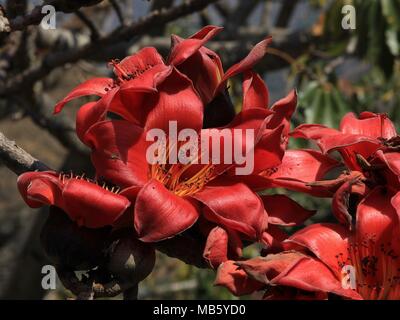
(183, 179)
(376, 270)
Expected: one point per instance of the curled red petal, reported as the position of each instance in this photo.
(96, 86)
(160, 214)
(255, 92)
(94, 112)
(40, 188)
(221, 246)
(341, 200)
(254, 56)
(184, 48)
(216, 249)
(92, 206)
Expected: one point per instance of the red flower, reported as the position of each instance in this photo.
(166, 199)
(170, 197)
(368, 148)
(286, 275)
(173, 197)
(355, 137)
(328, 258)
(372, 249)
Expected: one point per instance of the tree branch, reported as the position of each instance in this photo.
(17, 159)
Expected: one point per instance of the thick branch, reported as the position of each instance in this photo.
(17, 159)
(154, 19)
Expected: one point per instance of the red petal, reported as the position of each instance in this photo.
(377, 217)
(96, 86)
(392, 160)
(205, 70)
(331, 139)
(119, 152)
(40, 188)
(86, 203)
(185, 48)
(265, 269)
(269, 151)
(305, 165)
(92, 113)
(313, 132)
(137, 96)
(216, 249)
(255, 92)
(178, 101)
(354, 144)
(160, 214)
(284, 211)
(328, 242)
(300, 167)
(221, 246)
(175, 100)
(341, 198)
(250, 119)
(369, 124)
(234, 206)
(255, 55)
(235, 280)
(90, 205)
(311, 275)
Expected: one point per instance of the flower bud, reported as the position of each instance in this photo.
(70, 246)
(130, 260)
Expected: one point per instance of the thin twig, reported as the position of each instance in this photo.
(94, 33)
(118, 11)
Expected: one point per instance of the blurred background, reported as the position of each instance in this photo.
(334, 70)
